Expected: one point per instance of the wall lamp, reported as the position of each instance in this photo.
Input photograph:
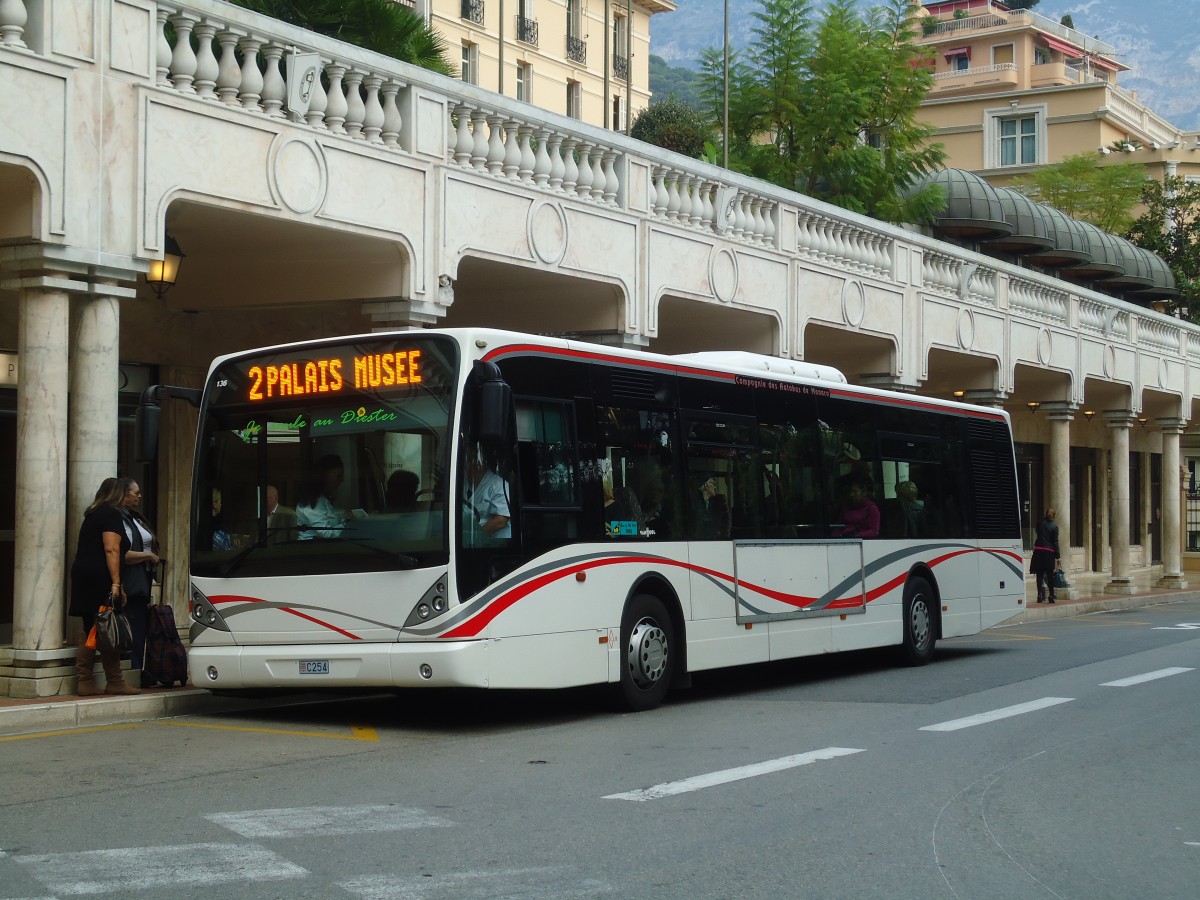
(1033, 406)
(958, 395)
(163, 272)
(1089, 414)
(1142, 420)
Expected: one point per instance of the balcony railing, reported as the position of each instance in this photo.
(977, 70)
(472, 11)
(999, 18)
(576, 49)
(621, 67)
(527, 31)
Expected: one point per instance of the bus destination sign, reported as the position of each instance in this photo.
(334, 374)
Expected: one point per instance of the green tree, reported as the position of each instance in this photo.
(379, 25)
(827, 106)
(1021, 4)
(672, 125)
(681, 81)
(1083, 189)
(1170, 227)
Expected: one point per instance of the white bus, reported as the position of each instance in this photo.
(476, 508)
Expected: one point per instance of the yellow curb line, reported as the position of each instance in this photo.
(359, 733)
(42, 734)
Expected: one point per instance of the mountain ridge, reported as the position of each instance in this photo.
(1158, 39)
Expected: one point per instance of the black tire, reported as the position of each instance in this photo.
(920, 622)
(648, 653)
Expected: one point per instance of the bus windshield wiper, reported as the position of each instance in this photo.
(402, 559)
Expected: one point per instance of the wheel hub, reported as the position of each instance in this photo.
(919, 623)
(647, 653)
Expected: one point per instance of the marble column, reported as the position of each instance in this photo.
(1060, 414)
(41, 470)
(1119, 422)
(1172, 489)
(94, 383)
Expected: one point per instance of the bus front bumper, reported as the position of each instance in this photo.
(315, 666)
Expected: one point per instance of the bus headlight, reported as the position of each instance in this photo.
(204, 614)
(432, 604)
(423, 610)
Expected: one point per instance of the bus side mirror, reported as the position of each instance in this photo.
(145, 431)
(495, 413)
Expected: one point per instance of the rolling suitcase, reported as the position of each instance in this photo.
(166, 660)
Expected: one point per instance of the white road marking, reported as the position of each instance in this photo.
(1149, 676)
(324, 820)
(997, 714)
(725, 776)
(130, 869)
(473, 885)
(1182, 626)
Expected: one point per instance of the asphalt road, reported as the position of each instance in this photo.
(1055, 759)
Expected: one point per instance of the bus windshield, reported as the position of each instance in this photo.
(325, 459)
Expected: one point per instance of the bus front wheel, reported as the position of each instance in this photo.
(648, 664)
(920, 621)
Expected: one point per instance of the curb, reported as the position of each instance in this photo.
(1089, 605)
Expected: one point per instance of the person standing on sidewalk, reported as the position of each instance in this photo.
(1046, 555)
(95, 575)
(136, 573)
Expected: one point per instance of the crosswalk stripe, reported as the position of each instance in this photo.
(1148, 676)
(712, 779)
(325, 820)
(124, 870)
(997, 714)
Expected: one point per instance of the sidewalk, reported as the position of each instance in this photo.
(1086, 595)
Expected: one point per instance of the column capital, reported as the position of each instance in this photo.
(1059, 410)
(1119, 418)
(72, 270)
(388, 313)
(986, 397)
(1171, 425)
(888, 382)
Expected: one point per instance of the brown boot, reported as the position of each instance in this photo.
(114, 675)
(85, 668)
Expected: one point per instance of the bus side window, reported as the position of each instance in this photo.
(636, 463)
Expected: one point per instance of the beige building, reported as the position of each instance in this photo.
(1014, 90)
(589, 61)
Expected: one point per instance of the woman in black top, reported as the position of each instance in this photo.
(1045, 555)
(137, 571)
(95, 575)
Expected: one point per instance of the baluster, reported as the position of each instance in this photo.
(183, 60)
(479, 149)
(739, 216)
(557, 167)
(495, 145)
(599, 180)
(464, 141)
(612, 183)
(318, 100)
(252, 80)
(672, 196)
(229, 73)
(356, 111)
(274, 91)
(373, 111)
(769, 223)
(392, 120)
(707, 213)
(583, 184)
(661, 195)
(570, 167)
(541, 166)
(685, 199)
(335, 106)
(12, 23)
(757, 219)
(207, 69)
(528, 158)
(162, 50)
(512, 150)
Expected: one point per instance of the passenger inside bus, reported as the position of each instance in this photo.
(401, 492)
(859, 517)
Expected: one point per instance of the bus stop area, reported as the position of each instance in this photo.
(20, 716)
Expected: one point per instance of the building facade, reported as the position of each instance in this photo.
(588, 61)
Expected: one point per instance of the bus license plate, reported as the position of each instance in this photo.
(314, 667)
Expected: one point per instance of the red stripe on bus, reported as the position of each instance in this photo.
(235, 598)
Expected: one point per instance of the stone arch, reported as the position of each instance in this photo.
(690, 326)
(857, 355)
(24, 214)
(956, 375)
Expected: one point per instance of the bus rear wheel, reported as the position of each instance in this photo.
(647, 640)
(920, 619)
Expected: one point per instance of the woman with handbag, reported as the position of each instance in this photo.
(1045, 557)
(136, 577)
(96, 577)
